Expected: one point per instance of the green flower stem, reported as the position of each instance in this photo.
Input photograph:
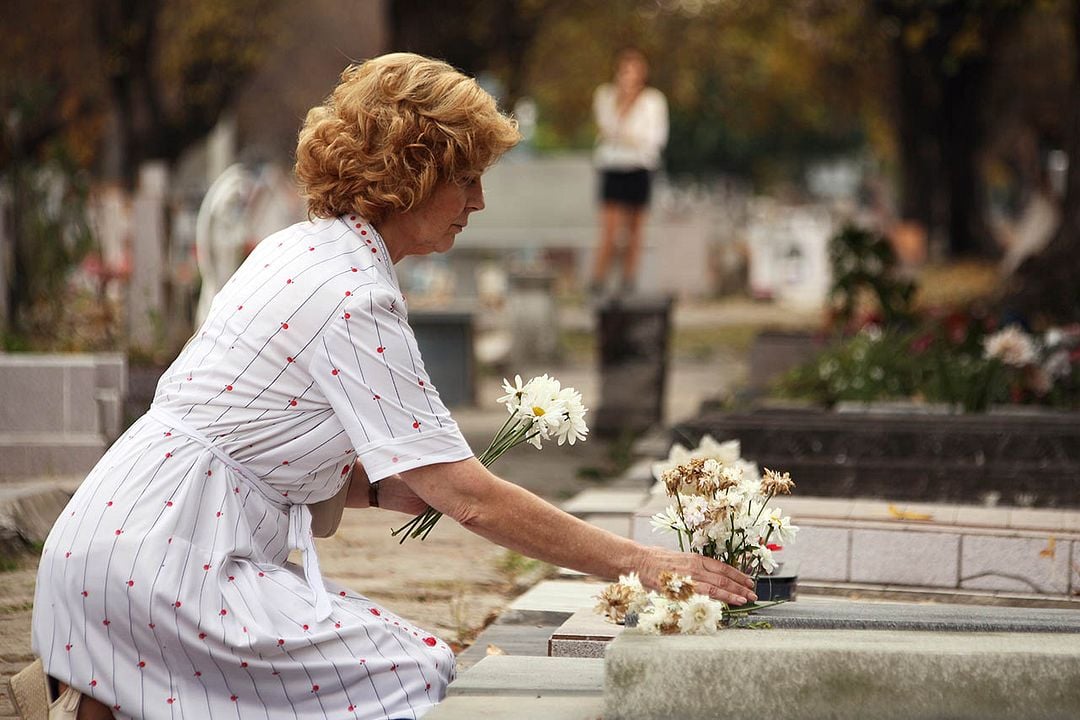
(752, 607)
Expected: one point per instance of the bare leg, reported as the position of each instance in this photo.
(610, 215)
(635, 221)
(89, 708)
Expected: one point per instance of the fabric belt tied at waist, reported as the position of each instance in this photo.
(300, 536)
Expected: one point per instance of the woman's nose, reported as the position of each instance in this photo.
(475, 198)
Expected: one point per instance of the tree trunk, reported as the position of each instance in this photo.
(1044, 290)
(963, 131)
(920, 161)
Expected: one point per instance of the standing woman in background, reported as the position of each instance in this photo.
(632, 122)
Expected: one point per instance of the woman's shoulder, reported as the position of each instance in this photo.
(604, 91)
(653, 95)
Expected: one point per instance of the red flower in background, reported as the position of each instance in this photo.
(956, 327)
(922, 343)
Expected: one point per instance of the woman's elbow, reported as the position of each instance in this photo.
(465, 513)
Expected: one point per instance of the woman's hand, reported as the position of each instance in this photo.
(716, 579)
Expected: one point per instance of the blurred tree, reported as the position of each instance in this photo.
(942, 54)
(1044, 290)
(172, 68)
(109, 85)
(136, 79)
(474, 35)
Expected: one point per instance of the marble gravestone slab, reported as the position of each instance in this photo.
(841, 614)
(586, 634)
(844, 675)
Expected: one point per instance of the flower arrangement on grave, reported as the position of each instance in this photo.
(720, 508)
(677, 608)
(722, 511)
(539, 410)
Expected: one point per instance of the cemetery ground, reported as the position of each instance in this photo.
(455, 583)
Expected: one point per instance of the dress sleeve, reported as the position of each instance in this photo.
(368, 366)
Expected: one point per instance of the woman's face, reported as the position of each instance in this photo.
(432, 225)
(631, 73)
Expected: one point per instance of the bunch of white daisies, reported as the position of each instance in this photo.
(540, 410)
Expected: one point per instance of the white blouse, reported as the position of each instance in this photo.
(635, 139)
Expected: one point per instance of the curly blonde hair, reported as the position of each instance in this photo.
(394, 127)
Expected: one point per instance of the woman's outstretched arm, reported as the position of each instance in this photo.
(517, 519)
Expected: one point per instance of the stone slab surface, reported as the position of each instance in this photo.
(841, 614)
(516, 707)
(34, 455)
(28, 511)
(905, 558)
(605, 500)
(531, 676)
(618, 524)
(845, 675)
(33, 397)
(80, 410)
(559, 596)
(1015, 563)
(821, 552)
(584, 634)
(1075, 576)
(515, 632)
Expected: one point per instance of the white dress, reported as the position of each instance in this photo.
(163, 589)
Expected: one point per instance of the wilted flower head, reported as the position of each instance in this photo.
(775, 483)
(1011, 346)
(622, 597)
(676, 587)
(725, 453)
(697, 476)
(730, 477)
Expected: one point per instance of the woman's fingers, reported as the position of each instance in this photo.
(731, 598)
(726, 570)
(715, 578)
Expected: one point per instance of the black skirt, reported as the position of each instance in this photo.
(625, 187)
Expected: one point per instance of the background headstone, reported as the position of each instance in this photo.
(633, 347)
(146, 293)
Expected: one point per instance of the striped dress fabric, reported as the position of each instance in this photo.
(164, 589)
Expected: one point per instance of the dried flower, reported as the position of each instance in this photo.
(720, 509)
(676, 587)
(614, 602)
(775, 483)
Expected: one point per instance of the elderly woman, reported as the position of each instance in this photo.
(164, 587)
